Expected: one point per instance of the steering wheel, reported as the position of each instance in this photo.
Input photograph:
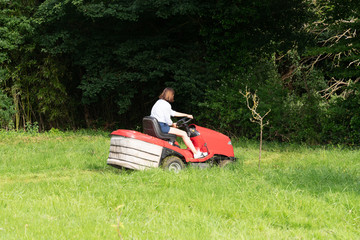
(183, 122)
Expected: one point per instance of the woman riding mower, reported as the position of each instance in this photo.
(162, 112)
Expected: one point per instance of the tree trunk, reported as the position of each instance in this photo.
(17, 110)
(260, 147)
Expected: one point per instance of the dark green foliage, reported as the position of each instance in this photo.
(342, 119)
(6, 110)
(243, 31)
(32, 78)
(125, 53)
(336, 57)
(229, 112)
(102, 64)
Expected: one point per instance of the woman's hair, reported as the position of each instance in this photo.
(168, 94)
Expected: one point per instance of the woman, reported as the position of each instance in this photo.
(162, 112)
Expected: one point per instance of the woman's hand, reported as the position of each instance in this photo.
(189, 116)
(174, 125)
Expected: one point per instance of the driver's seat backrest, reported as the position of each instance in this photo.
(151, 127)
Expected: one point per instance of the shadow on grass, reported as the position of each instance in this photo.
(104, 168)
(316, 180)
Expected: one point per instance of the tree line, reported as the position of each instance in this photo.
(102, 64)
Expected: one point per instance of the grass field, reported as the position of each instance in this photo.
(58, 186)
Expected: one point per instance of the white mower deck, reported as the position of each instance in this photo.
(133, 153)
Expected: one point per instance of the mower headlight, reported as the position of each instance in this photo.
(229, 143)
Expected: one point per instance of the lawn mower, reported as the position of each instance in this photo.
(153, 148)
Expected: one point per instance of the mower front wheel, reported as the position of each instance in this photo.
(173, 163)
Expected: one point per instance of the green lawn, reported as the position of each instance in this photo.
(58, 186)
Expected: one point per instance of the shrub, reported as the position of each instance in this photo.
(341, 121)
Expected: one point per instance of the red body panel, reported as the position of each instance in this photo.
(217, 143)
(209, 141)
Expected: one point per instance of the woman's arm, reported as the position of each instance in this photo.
(178, 114)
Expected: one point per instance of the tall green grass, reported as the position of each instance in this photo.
(58, 186)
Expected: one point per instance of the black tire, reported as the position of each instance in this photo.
(173, 163)
(225, 163)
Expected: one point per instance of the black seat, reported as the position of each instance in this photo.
(151, 127)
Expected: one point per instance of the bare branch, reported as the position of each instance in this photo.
(256, 117)
(335, 85)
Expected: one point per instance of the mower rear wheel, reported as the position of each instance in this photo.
(173, 163)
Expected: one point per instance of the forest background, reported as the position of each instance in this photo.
(102, 64)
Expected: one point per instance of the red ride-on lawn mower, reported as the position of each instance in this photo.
(153, 148)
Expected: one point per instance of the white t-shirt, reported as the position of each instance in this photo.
(162, 111)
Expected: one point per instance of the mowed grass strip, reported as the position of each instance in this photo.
(58, 186)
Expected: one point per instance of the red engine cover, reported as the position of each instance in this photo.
(217, 143)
